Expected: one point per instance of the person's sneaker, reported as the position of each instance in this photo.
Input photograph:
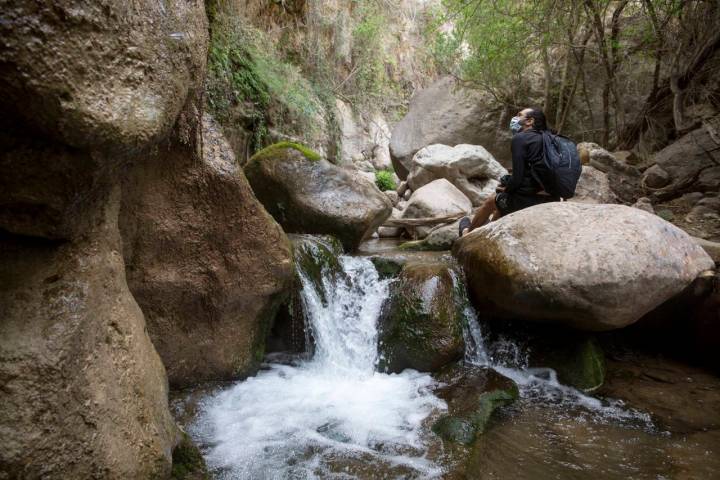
(464, 223)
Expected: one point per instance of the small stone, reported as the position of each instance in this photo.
(656, 177)
(645, 204)
(393, 196)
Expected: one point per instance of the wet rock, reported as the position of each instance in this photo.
(315, 257)
(84, 392)
(207, 264)
(439, 198)
(655, 177)
(447, 114)
(471, 168)
(623, 263)
(473, 394)
(593, 187)
(103, 75)
(306, 194)
(681, 398)
(578, 361)
(421, 327)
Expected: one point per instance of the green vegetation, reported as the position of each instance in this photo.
(187, 461)
(384, 180)
(249, 82)
(586, 61)
(275, 148)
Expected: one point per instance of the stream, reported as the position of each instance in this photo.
(335, 416)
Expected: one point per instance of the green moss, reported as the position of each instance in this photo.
(465, 428)
(272, 150)
(249, 82)
(188, 463)
(582, 366)
(420, 246)
(386, 267)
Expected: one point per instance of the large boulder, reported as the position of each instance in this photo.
(207, 264)
(471, 168)
(101, 74)
(422, 324)
(439, 198)
(84, 393)
(306, 194)
(692, 162)
(593, 187)
(448, 114)
(623, 179)
(593, 267)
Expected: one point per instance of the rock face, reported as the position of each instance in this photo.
(689, 164)
(471, 168)
(363, 140)
(207, 264)
(102, 75)
(444, 113)
(310, 195)
(84, 392)
(439, 198)
(593, 187)
(49, 190)
(423, 321)
(592, 267)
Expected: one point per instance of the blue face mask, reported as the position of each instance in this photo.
(515, 126)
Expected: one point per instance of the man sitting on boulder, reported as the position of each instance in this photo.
(521, 189)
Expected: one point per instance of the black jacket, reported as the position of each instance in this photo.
(526, 149)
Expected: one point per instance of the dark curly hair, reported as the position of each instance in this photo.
(539, 116)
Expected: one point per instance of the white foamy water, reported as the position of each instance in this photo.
(294, 422)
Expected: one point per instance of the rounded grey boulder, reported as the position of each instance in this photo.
(592, 267)
(306, 194)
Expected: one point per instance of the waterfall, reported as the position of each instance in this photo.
(333, 412)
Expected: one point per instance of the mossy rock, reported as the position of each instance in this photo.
(306, 194)
(387, 267)
(421, 246)
(579, 362)
(272, 150)
(576, 357)
(316, 256)
(188, 462)
(422, 324)
(473, 395)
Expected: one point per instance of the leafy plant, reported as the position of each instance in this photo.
(384, 180)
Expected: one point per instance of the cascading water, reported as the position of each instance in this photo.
(540, 385)
(309, 419)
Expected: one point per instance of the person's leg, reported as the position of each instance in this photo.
(482, 214)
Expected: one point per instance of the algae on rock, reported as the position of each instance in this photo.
(422, 323)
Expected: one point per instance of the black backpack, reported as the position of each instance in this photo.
(561, 168)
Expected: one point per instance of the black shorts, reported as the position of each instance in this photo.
(512, 202)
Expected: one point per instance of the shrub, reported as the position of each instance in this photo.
(384, 180)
